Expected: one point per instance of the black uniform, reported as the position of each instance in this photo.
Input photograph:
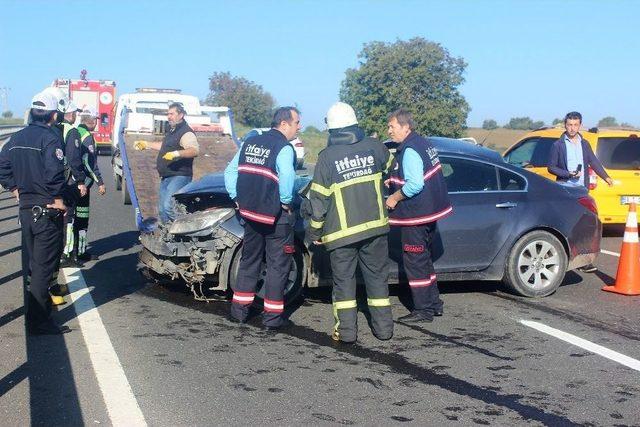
(268, 229)
(417, 218)
(75, 174)
(349, 217)
(90, 164)
(32, 163)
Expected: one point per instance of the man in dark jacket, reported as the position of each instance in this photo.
(418, 200)
(260, 179)
(348, 217)
(75, 175)
(89, 120)
(175, 159)
(571, 156)
(32, 168)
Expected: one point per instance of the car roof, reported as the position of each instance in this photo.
(456, 146)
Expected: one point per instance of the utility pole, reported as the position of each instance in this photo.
(4, 97)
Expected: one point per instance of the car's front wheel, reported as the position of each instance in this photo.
(536, 265)
(295, 282)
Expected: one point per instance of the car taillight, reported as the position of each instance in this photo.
(593, 179)
(589, 203)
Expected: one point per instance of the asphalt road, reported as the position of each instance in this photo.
(180, 362)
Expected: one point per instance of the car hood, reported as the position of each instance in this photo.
(213, 184)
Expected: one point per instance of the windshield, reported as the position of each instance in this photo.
(622, 153)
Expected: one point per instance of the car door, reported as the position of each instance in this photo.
(486, 202)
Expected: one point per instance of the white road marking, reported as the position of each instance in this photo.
(587, 345)
(117, 394)
(604, 251)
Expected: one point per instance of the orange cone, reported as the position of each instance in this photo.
(628, 276)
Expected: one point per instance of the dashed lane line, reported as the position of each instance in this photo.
(582, 343)
(119, 399)
(604, 251)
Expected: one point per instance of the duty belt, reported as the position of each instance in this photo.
(38, 212)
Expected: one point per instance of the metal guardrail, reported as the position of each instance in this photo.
(7, 130)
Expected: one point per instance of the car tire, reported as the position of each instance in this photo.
(536, 265)
(295, 285)
(126, 197)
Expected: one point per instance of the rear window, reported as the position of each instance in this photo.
(622, 153)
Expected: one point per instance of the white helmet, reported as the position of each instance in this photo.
(340, 115)
(63, 99)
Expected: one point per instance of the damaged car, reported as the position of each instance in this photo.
(508, 225)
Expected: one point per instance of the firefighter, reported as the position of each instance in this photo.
(175, 159)
(260, 178)
(418, 199)
(88, 122)
(76, 177)
(32, 167)
(349, 218)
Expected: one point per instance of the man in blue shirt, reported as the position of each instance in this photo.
(571, 157)
(418, 199)
(260, 179)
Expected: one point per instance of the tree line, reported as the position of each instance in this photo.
(526, 123)
(417, 74)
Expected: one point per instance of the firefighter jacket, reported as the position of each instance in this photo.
(346, 201)
(72, 152)
(89, 157)
(430, 204)
(32, 162)
(171, 142)
(258, 184)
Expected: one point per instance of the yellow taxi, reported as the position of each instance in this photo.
(617, 149)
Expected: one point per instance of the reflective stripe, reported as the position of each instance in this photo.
(360, 180)
(343, 305)
(82, 241)
(378, 302)
(243, 297)
(257, 170)
(342, 213)
(432, 172)
(423, 282)
(82, 214)
(265, 219)
(421, 219)
(426, 176)
(355, 229)
(389, 162)
(320, 189)
(69, 244)
(316, 224)
(273, 306)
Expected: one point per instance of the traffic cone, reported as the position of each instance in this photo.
(628, 276)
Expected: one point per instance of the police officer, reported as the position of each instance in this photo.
(260, 178)
(76, 177)
(31, 166)
(88, 122)
(418, 199)
(349, 218)
(175, 159)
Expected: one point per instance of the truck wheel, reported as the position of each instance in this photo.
(118, 181)
(126, 198)
(536, 265)
(295, 284)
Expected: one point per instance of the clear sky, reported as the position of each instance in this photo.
(525, 58)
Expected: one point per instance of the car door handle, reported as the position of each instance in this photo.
(506, 205)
